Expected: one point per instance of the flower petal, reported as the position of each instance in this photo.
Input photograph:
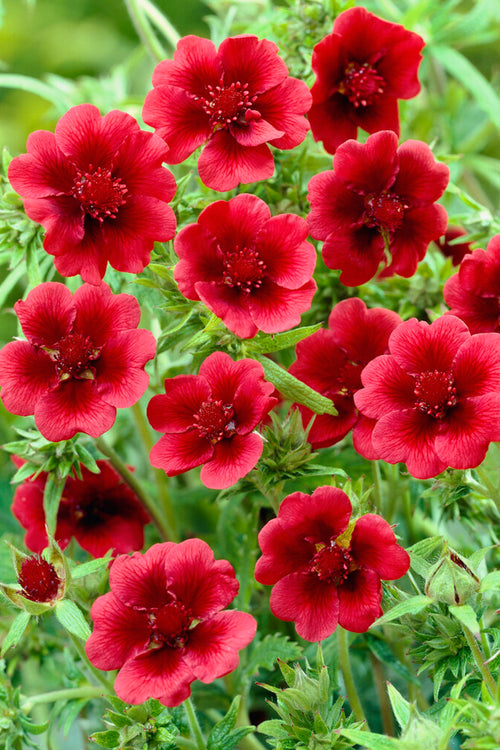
(119, 633)
(141, 581)
(159, 673)
(74, 406)
(175, 411)
(310, 603)
(359, 601)
(43, 171)
(214, 644)
(120, 376)
(26, 375)
(374, 546)
(233, 458)
(47, 314)
(177, 453)
(224, 163)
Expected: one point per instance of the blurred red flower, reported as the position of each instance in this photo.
(162, 623)
(378, 200)
(474, 292)
(362, 68)
(331, 361)
(83, 358)
(98, 187)
(233, 102)
(435, 397)
(99, 510)
(252, 270)
(210, 419)
(325, 569)
(454, 250)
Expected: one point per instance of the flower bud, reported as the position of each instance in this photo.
(451, 580)
(420, 732)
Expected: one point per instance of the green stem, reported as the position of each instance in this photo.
(107, 684)
(383, 697)
(480, 661)
(345, 668)
(162, 23)
(250, 741)
(87, 691)
(144, 30)
(488, 485)
(377, 488)
(194, 725)
(159, 521)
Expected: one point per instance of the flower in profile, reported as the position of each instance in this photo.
(99, 510)
(331, 361)
(362, 68)
(474, 292)
(252, 270)
(98, 187)
(232, 102)
(83, 358)
(324, 568)
(163, 624)
(378, 201)
(451, 248)
(435, 397)
(210, 419)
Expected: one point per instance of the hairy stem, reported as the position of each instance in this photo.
(480, 661)
(383, 697)
(345, 668)
(86, 691)
(194, 725)
(144, 30)
(100, 676)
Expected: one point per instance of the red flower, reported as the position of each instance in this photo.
(378, 198)
(99, 510)
(98, 188)
(232, 101)
(83, 359)
(39, 580)
(326, 569)
(474, 292)
(454, 250)
(253, 271)
(162, 624)
(362, 68)
(210, 419)
(435, 398)
(331, 361)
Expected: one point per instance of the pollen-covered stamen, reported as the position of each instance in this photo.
(227, 104)
(73, 355)
(361, 84)
(332, 563)
(215, 420)
(38, 579)
(243, 269)
(169, 625)
(384, 210)
(435, 393)
(100, 194)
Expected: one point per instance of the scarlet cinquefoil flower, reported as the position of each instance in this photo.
(362, 68)
(98, 187)
(253, 271)
(435, 397)
(162, 624)
(451, 249)
(210, 419)
(379, 199)
(234, 100)
(83, 358)
(326, 569)
(474, 292)
(331, 361)
(99, 510)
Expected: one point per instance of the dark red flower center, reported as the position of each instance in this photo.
(73, 355)
(361, 84)
(349, 379)
(227, 104)
(332, 563)
(215, 420)
(38, 579)
(435, 392)
(100, 194)
(384, 210)
(170, 625)
(243, 269)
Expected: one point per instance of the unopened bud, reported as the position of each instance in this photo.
(451, 580)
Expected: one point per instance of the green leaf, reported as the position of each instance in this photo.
(222, 736)
(51, 498)
(72, 619)
(79, 571)
(400, 706)
(264, 343)
(16, 631)
(411, 606)
(369, 740)
(109, 738)
(466, 615)
(471, 79)
(490, 581)
(295, 389)
(263, 654)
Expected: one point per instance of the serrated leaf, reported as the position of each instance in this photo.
(411, 606)
(109, 738)
(419, 565)
(400, 706)
(369, 740)
(16, 631)
(72, 619)
(426, 546)
(222, 736)
(295, 389)
(490, 581)
(79, 571)
(273, 728)
(265, 343)
(264, 653)
(466, 615)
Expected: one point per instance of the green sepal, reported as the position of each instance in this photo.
(16, 631)
(109, 738)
